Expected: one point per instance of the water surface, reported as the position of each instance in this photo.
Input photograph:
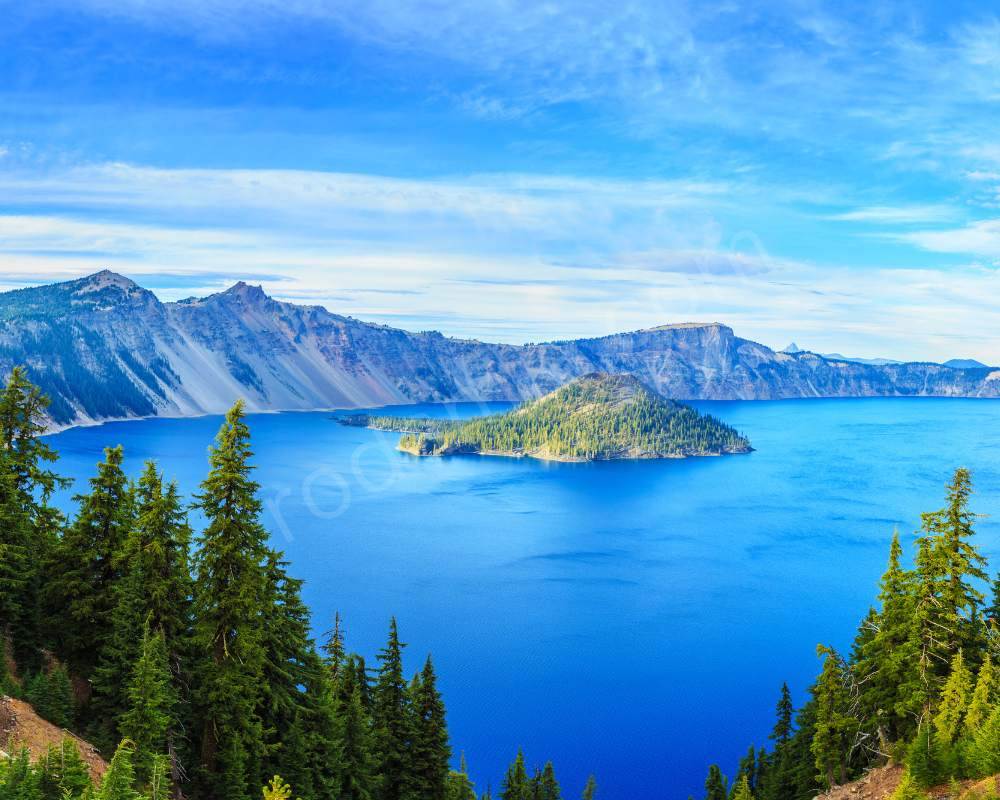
(634, 619)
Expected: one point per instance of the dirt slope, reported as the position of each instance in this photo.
(21, 727)
(881, 782)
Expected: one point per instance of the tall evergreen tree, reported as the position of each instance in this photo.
(62, 773)
(515, 784)
(81, 590)
(431, 752)
(291, 667)
(392, 721)
(956, 562)
(153, 705)
(590, 789)
(155, 589)
(230, 596)
(953, 703)
(333, 647)
(28, 522)
(716, 785)
(742, 789)
(119, 781)
(834, 726)
(885, 668)
(983, 698)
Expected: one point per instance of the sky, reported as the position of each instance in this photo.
(522, 170)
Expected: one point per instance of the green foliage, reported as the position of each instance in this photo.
(51, 695)
(515, 784)
(590, 790)
(393, 722)
(62, 772)
(28, 524)
(953, 702)
(983, 697)
(742, 790)
(230, 594)
(985, 750)
(595, 417)
(835, 725)
(430, 751)
(119, 781)
(928, 760)
(716, 785)
(908, 789)
(153, 704)
(84, 577)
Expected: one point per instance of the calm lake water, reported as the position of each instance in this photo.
(631, 619)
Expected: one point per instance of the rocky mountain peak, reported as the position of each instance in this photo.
(247, 292)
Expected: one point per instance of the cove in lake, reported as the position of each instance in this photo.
(634, 619)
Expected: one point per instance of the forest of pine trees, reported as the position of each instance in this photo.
(919, 687)
(186, 656)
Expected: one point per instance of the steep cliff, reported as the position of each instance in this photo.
(103, 347)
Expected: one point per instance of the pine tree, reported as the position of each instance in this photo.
(230, 597)
(81, 589)
(153, 705)
(548, 784)
(957, 561)
(926, 759)
(60, 697)
(28, 523)
(953, 703)
(290, 668)
(885, 667)
(983, 697)
(119, 780)
(336, 656)
(515, 782)
(778, 782)
(834, 725)
(50, 694)
(746, 772)
(930, 633)
(430, 752)
(392, 721)
(716, 785)
(62, 772)
(357, 779)
(590, 790)
(742, 791)
(784, 710)
(985, 751)
(459, 786)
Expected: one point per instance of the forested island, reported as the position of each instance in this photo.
(917, 698)
(186, 659)
(594, 418)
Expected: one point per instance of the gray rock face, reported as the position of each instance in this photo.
(103, 347)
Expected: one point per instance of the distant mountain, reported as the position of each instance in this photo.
(792, 349)
(965, 363)
(592, 418)
(878, 362)
(103, 347)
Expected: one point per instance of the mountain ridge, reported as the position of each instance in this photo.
(103, 347)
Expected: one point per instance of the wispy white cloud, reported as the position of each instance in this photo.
(898, 214)
(978, 239)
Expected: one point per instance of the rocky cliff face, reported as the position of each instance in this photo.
(103, 347)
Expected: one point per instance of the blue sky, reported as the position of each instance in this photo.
(519, 171)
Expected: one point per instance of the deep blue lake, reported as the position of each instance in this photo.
(633, 619)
